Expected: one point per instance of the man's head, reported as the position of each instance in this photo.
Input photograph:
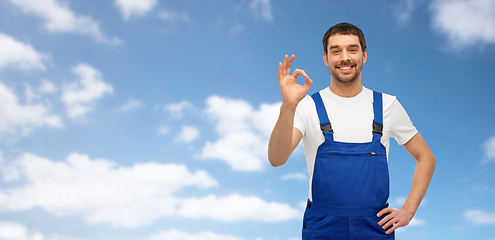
(344, 29)
(345, 53)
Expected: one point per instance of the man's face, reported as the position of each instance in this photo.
(344, 58)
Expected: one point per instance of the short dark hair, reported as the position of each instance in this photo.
(344, 29)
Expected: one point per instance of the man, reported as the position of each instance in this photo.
(346, 130)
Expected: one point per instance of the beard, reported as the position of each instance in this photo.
(346, 78)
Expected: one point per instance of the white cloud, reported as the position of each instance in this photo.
(399, 201)
(20, 119)
(46, 87)
(176, 110)
(236, 207)
(131, 104)
(35, 94)
(19, 55)
(479, 217)
(103, 192)
(58, 17)
(178, 235)
(172, 17)
(482, 188)
(243, 132)
(136, 8)
(262, 9)
(187, 134)
(14, 231)
(98, 189)
(236, 29)
(80, 96)
(465, 22)
(264, 119)
(163, 130)
(404, 10)
(241, 150)
(295, 176)
(30, 95)
(489, 147)
(417, 222)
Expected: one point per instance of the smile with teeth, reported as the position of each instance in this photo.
(346, 69)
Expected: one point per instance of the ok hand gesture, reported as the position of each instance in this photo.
(292, 92)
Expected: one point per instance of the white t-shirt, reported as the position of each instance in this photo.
(351, 120)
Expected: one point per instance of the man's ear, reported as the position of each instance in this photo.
(365, 56)
(325, 59)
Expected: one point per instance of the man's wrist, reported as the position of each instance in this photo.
(409, 211)
(288, 107)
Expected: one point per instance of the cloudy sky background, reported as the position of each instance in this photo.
(147, 119)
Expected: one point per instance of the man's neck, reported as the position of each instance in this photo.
(346, 90)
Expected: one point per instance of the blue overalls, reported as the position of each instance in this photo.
(350, 184)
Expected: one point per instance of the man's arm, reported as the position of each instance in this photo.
(425, 165)
(284, 136)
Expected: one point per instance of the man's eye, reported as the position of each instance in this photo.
(335, 51)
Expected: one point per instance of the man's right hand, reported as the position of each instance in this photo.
(292, 92)
(285, 137)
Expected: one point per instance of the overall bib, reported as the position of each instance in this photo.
(350, 184)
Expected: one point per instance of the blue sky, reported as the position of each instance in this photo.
(147, 119)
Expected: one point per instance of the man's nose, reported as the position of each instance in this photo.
(346, 57)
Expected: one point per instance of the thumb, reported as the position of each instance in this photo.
(308, 82)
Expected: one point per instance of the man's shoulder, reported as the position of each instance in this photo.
(305, 104)
(388, 99)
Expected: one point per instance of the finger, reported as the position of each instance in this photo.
(308, 82)
(383, 211)
(298, 72)
(392, 229)
(389, 224)
(281, 66)
(285, 66)
(289, 63)
(385, 220)
(290, 60)
(390, 215)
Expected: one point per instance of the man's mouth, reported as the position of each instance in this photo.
(345, 68)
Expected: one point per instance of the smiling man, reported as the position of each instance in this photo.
(346, 130)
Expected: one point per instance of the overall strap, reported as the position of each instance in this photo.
(325, 125)
(378, 113)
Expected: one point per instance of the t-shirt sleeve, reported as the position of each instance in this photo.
(402, 128)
